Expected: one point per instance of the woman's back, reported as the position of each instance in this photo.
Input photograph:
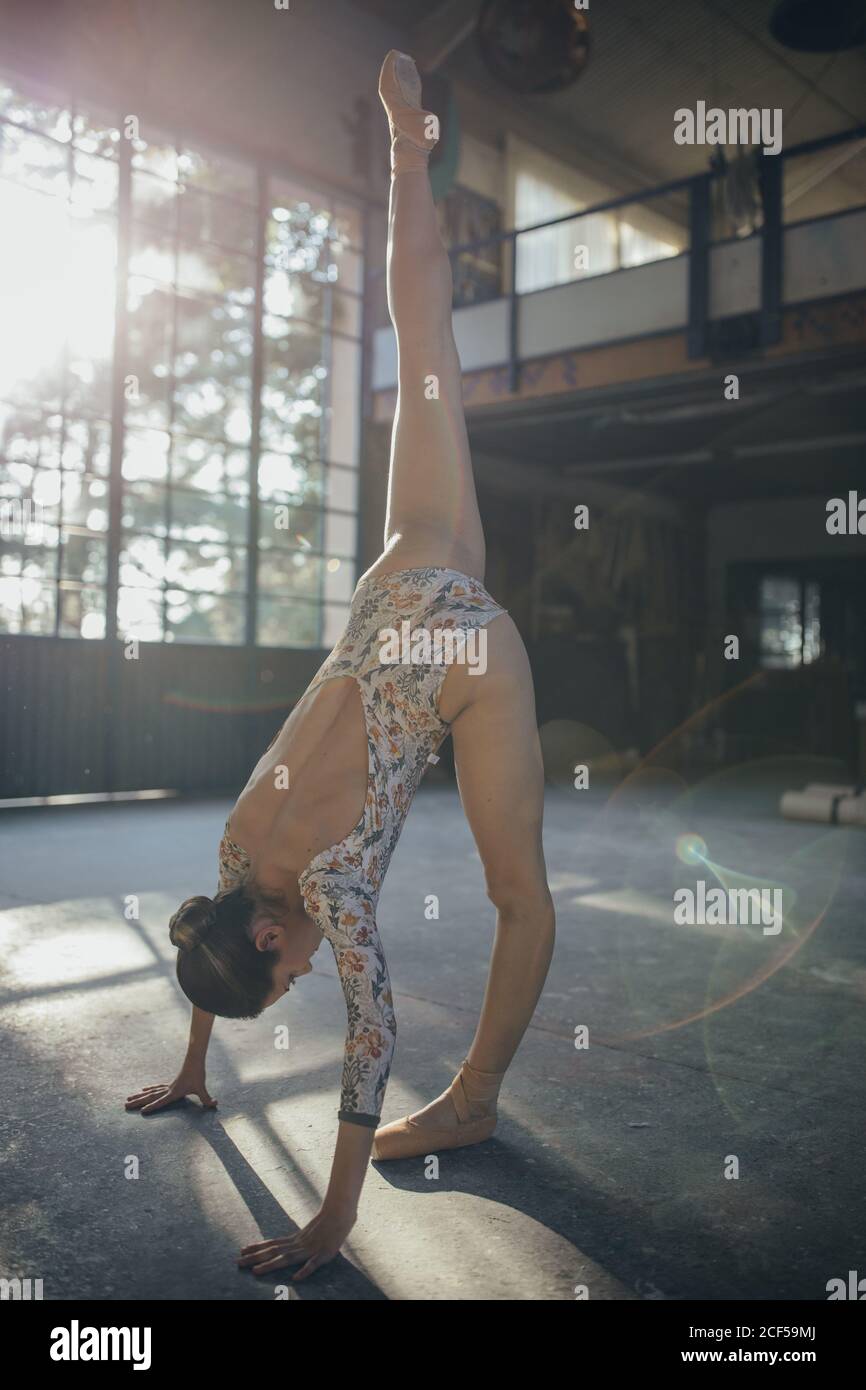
(307, 790)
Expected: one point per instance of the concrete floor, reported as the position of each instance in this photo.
(608, 1166)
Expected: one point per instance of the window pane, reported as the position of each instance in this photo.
(94, 183)
(28, 436)
(87, 446)
(148, 379)
(139, 614)
(43, 116)
(286, 572)
(207, 568)
(156, 156)
(142, 562)
(32, 501)
(210, 466)
(340, 533)
(145, 508)
(296, 296)
(34, 160)
(217, 173)
(203, 218)
(21, 517)
(295, 369)
(204, 618)
(154, 200)
(339, 579)
(348, 225)
(290, 479)
(286, 527)
(26, 605)
(335, 619)
(96, 134)
(151, 260)
(211, 270)
(343, 488)
(82, 613)
(343, 425)
(88, 308)
(349, 268)
(198, 517)
(287, 623)
(85, 501)
(33, 287)
(781, 623)
(83, 558)
(212, 370)
(346, 315)
(145, 455)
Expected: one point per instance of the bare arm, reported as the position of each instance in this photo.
(190, 1080)
(199, 1036)
(320, 1240)
(349, 1168)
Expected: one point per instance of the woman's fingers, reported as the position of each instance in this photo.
(160, 1102)
(141, 1096)
(263, 1245)
(136, 1102)
(311, 1266)
(277, 1262)
(270, 1254)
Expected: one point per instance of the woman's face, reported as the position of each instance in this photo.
(291, 943)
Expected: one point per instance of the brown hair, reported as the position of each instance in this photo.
(218, 967)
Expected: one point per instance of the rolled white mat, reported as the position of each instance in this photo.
(852, 810)
(806, 806)
(812, 806)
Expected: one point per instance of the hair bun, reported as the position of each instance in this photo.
(191, 923)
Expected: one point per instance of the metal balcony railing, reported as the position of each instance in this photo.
(698, 224)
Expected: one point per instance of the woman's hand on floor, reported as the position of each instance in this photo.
(189, 1081)
(311, 1247)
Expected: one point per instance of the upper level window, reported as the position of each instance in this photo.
(544, 189)
(179, 426)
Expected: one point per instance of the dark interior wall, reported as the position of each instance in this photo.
(810, 709)
(80, 716)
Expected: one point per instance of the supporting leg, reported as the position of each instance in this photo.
(501, 779)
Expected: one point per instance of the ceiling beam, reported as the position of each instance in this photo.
(441, 32)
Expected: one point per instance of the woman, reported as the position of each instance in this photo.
(362, 735)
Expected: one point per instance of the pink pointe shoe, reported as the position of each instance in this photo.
(414, 132)
(470, 1088)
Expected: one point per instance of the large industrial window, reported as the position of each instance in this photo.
(179, 388)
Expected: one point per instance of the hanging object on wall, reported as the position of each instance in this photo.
(439, 97)
(358, 127)
(819, 26)
(534, 45)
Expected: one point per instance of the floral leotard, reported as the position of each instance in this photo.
(341, 886)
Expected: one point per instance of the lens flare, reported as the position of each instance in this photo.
(691, 849)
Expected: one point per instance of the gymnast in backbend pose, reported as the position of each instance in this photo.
(362, 734)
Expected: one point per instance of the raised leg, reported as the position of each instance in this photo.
(432, 513)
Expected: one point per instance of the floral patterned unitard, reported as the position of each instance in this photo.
(400, 696)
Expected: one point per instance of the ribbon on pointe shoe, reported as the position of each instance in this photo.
(475, 1092)
(414, 132)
